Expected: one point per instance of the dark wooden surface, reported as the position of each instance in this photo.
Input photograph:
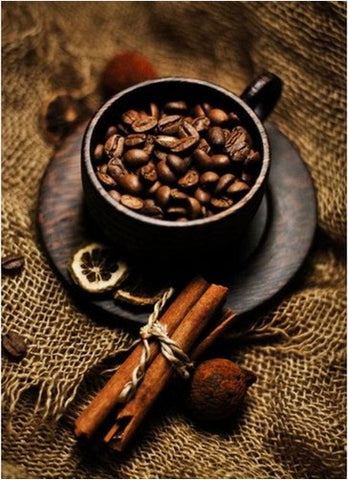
(274, 247)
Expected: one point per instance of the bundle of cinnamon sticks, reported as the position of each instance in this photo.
(198, 305)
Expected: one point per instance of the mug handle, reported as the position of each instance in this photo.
(263, 94)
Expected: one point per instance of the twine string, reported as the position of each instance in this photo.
(169, 349)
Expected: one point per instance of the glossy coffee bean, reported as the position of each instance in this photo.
(224, 182)
(153, 189)
(154, 110)
(110, 131)
(176, 212)
(164, 172)
(135, 140)
(220, 161)
(148, 173)
(152, 211)
(216, 137)
(178, 197)
(187, 130)
(201, 124)
(115, 195)
(162, 195)
(169, 125)
(99, 152)
(208, 179)
(130, 183)
(221, 203)
(115, 168)
(134, 203)
(194, 208)
(166, 141)
(177, 164)
(178, 106)
(189, 180)
(144, 124)
(217, 116)
(136, 157)
(129, 117)
(114, 146)
(203, 196)
(202, 159)
(237, 189)
(204, 146)
(185, 144)
(104, 177)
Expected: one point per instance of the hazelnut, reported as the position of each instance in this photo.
(124, 70)
(217, 389)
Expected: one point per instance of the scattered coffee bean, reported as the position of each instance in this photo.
(14, 345)
(177, 161)
(12, 264)
(134, 203)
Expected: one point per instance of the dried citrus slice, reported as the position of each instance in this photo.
(95, 268)
(139, 290)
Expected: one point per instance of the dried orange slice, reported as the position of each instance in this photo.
(140, 289)
(95, 268)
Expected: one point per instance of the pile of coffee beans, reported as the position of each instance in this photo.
(176, 162)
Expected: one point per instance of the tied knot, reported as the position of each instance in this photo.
(169, 349)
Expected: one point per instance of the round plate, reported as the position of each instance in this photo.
(273, 249)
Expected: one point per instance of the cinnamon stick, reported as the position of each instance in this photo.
(158, 374)
(225, 323)
(102, 405)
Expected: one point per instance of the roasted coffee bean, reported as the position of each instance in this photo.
(185, 144)
(114, 146)
(130, 183)
(217, 116)
(152, 211)
(237, 189)
(169, 125)
(164, 172)
(188, 119)
(144, 124)
(115, 168)
(12, 264)
(198, 111)
(206, 107)
(162, 195)
(115, 195)
(104, 177)
(216, 137)
(202, 196)
(221, 203)
(149, 145)
(181, 219)
(178, 164)
(110, 131)
(130, 116)
(202, 159)
(194, 208)
(159, 154)
(201, 124)
(99, 152)
(151, 190)
(136, 157)
(178, 197)
(204, 146)
(233, 119)
(176, 212)
(148, 173)
(220, 161)
(154, 111)
(178, 106)
(134, 203)
(187, 130)
(189, 180)
(238, 144)
(135, 140)
(167, 141)
(14, 345)
(208, 179)
(224, 182)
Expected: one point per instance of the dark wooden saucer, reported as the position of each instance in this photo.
(274, 247)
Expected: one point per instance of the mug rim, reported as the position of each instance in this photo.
(86, 157)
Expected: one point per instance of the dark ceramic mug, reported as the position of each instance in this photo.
(146, 237)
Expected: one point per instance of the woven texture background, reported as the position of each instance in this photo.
(293, 422)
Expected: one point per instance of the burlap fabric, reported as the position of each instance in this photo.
(293, 423)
